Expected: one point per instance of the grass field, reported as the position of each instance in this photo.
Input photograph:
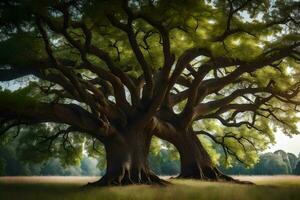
(67, 188)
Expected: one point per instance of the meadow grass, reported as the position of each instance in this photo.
(70, 188)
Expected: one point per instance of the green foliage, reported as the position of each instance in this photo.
(22, 98)
(157, 145)
(297, 169)
(275, 163)
(164, 163)
(95, 150)
(20, 158)
(2, 166)
(163, 160)
(31, 147)
(211, 149)
(163, 157)
(293, 160)
(240, 140)
(12, 165)
(20, 49)
(285, 159)
(35, 147)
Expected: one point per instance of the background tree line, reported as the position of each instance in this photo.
(277, 163)
(163, 159)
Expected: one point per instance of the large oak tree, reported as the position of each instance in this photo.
(123, 71)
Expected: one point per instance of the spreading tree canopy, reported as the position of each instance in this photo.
(121, 71)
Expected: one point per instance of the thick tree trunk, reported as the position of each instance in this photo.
(194, 159)
(195, 162)
(127, 161)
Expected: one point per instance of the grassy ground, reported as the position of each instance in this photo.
(67, 188)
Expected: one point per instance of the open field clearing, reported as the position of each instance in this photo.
(67, 188)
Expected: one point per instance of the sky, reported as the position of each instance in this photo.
(286, 143)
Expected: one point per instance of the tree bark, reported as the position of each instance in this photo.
(194, 159)
(127, 160)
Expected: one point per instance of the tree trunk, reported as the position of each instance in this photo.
(127, 160)
(194, 159)
(195, 162)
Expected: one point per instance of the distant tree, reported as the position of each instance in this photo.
(293, 160)
(163, 163)
(2, 166)
(89, 167)
(18, 161)
(297, 169)
(277, 166)
(31, 169)
(269, 164)
(52, 168)
(13, 166)
(285, 159)
(163, 158)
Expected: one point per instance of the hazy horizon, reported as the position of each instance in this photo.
(286, 143)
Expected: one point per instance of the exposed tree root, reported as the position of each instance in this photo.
(214, 174)
(139, 178)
